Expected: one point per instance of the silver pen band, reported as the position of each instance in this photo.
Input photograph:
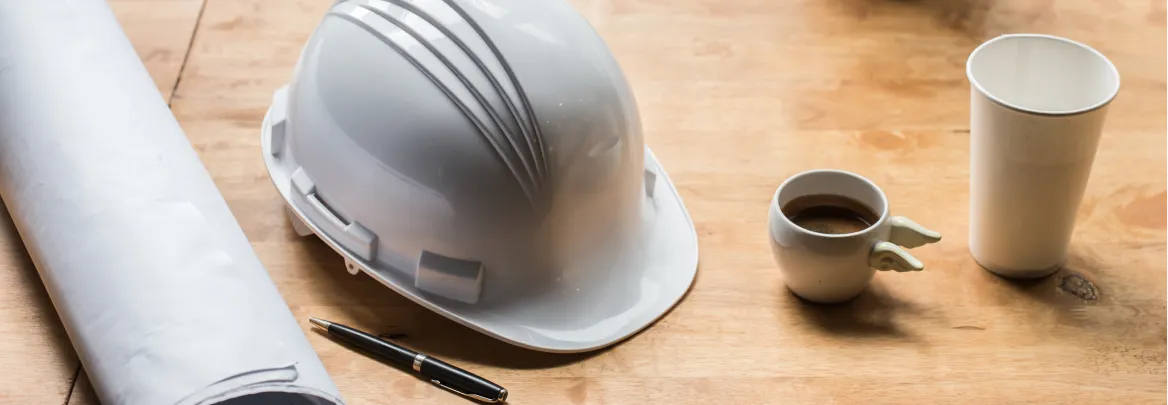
(418, 362)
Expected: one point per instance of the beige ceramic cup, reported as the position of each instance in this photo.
(1037, 109)
(830, 268)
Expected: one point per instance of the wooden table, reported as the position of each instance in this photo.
(735, 96)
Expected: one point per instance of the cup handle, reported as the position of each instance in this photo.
(887, 256)
(905, 232)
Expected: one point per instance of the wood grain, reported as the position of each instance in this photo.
(161, 31)
(36, 358)
(735, 97)
(37, 362)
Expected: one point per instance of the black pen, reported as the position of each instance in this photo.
(438, 372)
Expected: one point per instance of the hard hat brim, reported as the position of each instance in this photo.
(649, 279)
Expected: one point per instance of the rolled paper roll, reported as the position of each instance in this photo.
(157, 286)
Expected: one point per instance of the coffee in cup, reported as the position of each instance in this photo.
(830, 231)
(829, 214)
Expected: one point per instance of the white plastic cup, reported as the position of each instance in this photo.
(1038, 104)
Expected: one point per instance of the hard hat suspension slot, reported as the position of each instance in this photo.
(456, 279)
(279, 125)
(350, 235)
(650, 181)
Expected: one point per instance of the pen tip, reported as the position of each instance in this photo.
(320, 323)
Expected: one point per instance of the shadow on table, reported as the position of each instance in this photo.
(967, 15)
(1073, 284)
(870, 315)
(385, 313)
(1078, 296)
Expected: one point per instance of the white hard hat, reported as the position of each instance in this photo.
(485, 159)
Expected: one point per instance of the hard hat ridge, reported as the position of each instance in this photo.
(532, 130)
(511, 130)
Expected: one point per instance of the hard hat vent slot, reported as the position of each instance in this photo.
(456, 279)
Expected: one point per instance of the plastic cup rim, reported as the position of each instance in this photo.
(977, 85)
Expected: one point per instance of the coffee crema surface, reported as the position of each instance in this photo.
(829, 214)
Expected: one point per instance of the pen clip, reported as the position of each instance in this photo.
(472, 396)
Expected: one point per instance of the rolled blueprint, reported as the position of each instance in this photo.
(157, 286)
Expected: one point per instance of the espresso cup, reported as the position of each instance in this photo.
(828, 265)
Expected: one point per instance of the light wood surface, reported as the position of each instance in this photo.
(735, 97)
